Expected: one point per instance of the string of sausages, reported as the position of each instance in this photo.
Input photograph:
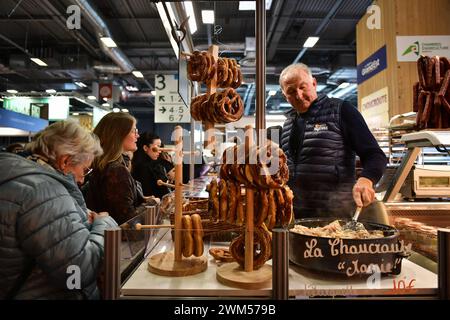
(431, 94)
(220, 107)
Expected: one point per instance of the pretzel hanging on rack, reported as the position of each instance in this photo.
(261, 237)
(229, 74)
(221, 107)
(201, 66)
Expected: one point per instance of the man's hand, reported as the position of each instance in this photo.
(363, 192)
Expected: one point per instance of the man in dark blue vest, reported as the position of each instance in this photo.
(320, 138)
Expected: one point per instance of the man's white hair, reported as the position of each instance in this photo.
(294, 68)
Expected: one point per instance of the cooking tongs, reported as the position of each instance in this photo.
(354, 224)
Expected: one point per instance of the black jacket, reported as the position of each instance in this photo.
(148, 172)
(320, 146)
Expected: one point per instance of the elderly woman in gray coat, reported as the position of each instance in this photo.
(50, 248)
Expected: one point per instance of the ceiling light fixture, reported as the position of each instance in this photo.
(153, 92)
(131, 88)
(272, 92)
(107, 41)
(116, 110)
(50, 91)
(80, 84)
(39, 62)
(208, 16)
(138, 74)
(189, 8)
(125, 110)
(251, 5)
(12, 91)
(310, 42)
(343, 85)
(75, 114)
(92, 98)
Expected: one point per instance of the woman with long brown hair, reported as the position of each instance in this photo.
(111, 186)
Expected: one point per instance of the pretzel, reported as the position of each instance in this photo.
(232, 201)
(188, 240)
(272, 214)
(261, 237)
(240, 220)
(223, 196)
(257, 175)
(201, 66)
(198, 234)
(213, 203)
(238, 80)
(222, 71)
(263, 202)
(280, 201)
(288, 207)
(221, 254)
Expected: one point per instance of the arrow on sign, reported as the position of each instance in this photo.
(161, 98)
(162, 109)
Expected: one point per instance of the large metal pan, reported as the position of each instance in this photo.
(347, 257)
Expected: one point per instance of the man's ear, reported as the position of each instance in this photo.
(145, 148)
(314, 82)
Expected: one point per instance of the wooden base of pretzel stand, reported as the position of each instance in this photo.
(165, 264)
(173, 264)
(232, 274)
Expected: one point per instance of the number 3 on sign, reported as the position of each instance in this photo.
(160, 82)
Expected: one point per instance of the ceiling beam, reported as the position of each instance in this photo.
(278, 25)
(324, 24)
(60, 19)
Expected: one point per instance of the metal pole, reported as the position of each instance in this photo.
(444, 264)
(280, 264)
(260, 66)
(113, 238)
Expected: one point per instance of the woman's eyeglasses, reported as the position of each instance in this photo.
(87, 171)
(135, 131)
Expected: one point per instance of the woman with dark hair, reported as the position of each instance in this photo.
(111, 186)
(147, 168)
